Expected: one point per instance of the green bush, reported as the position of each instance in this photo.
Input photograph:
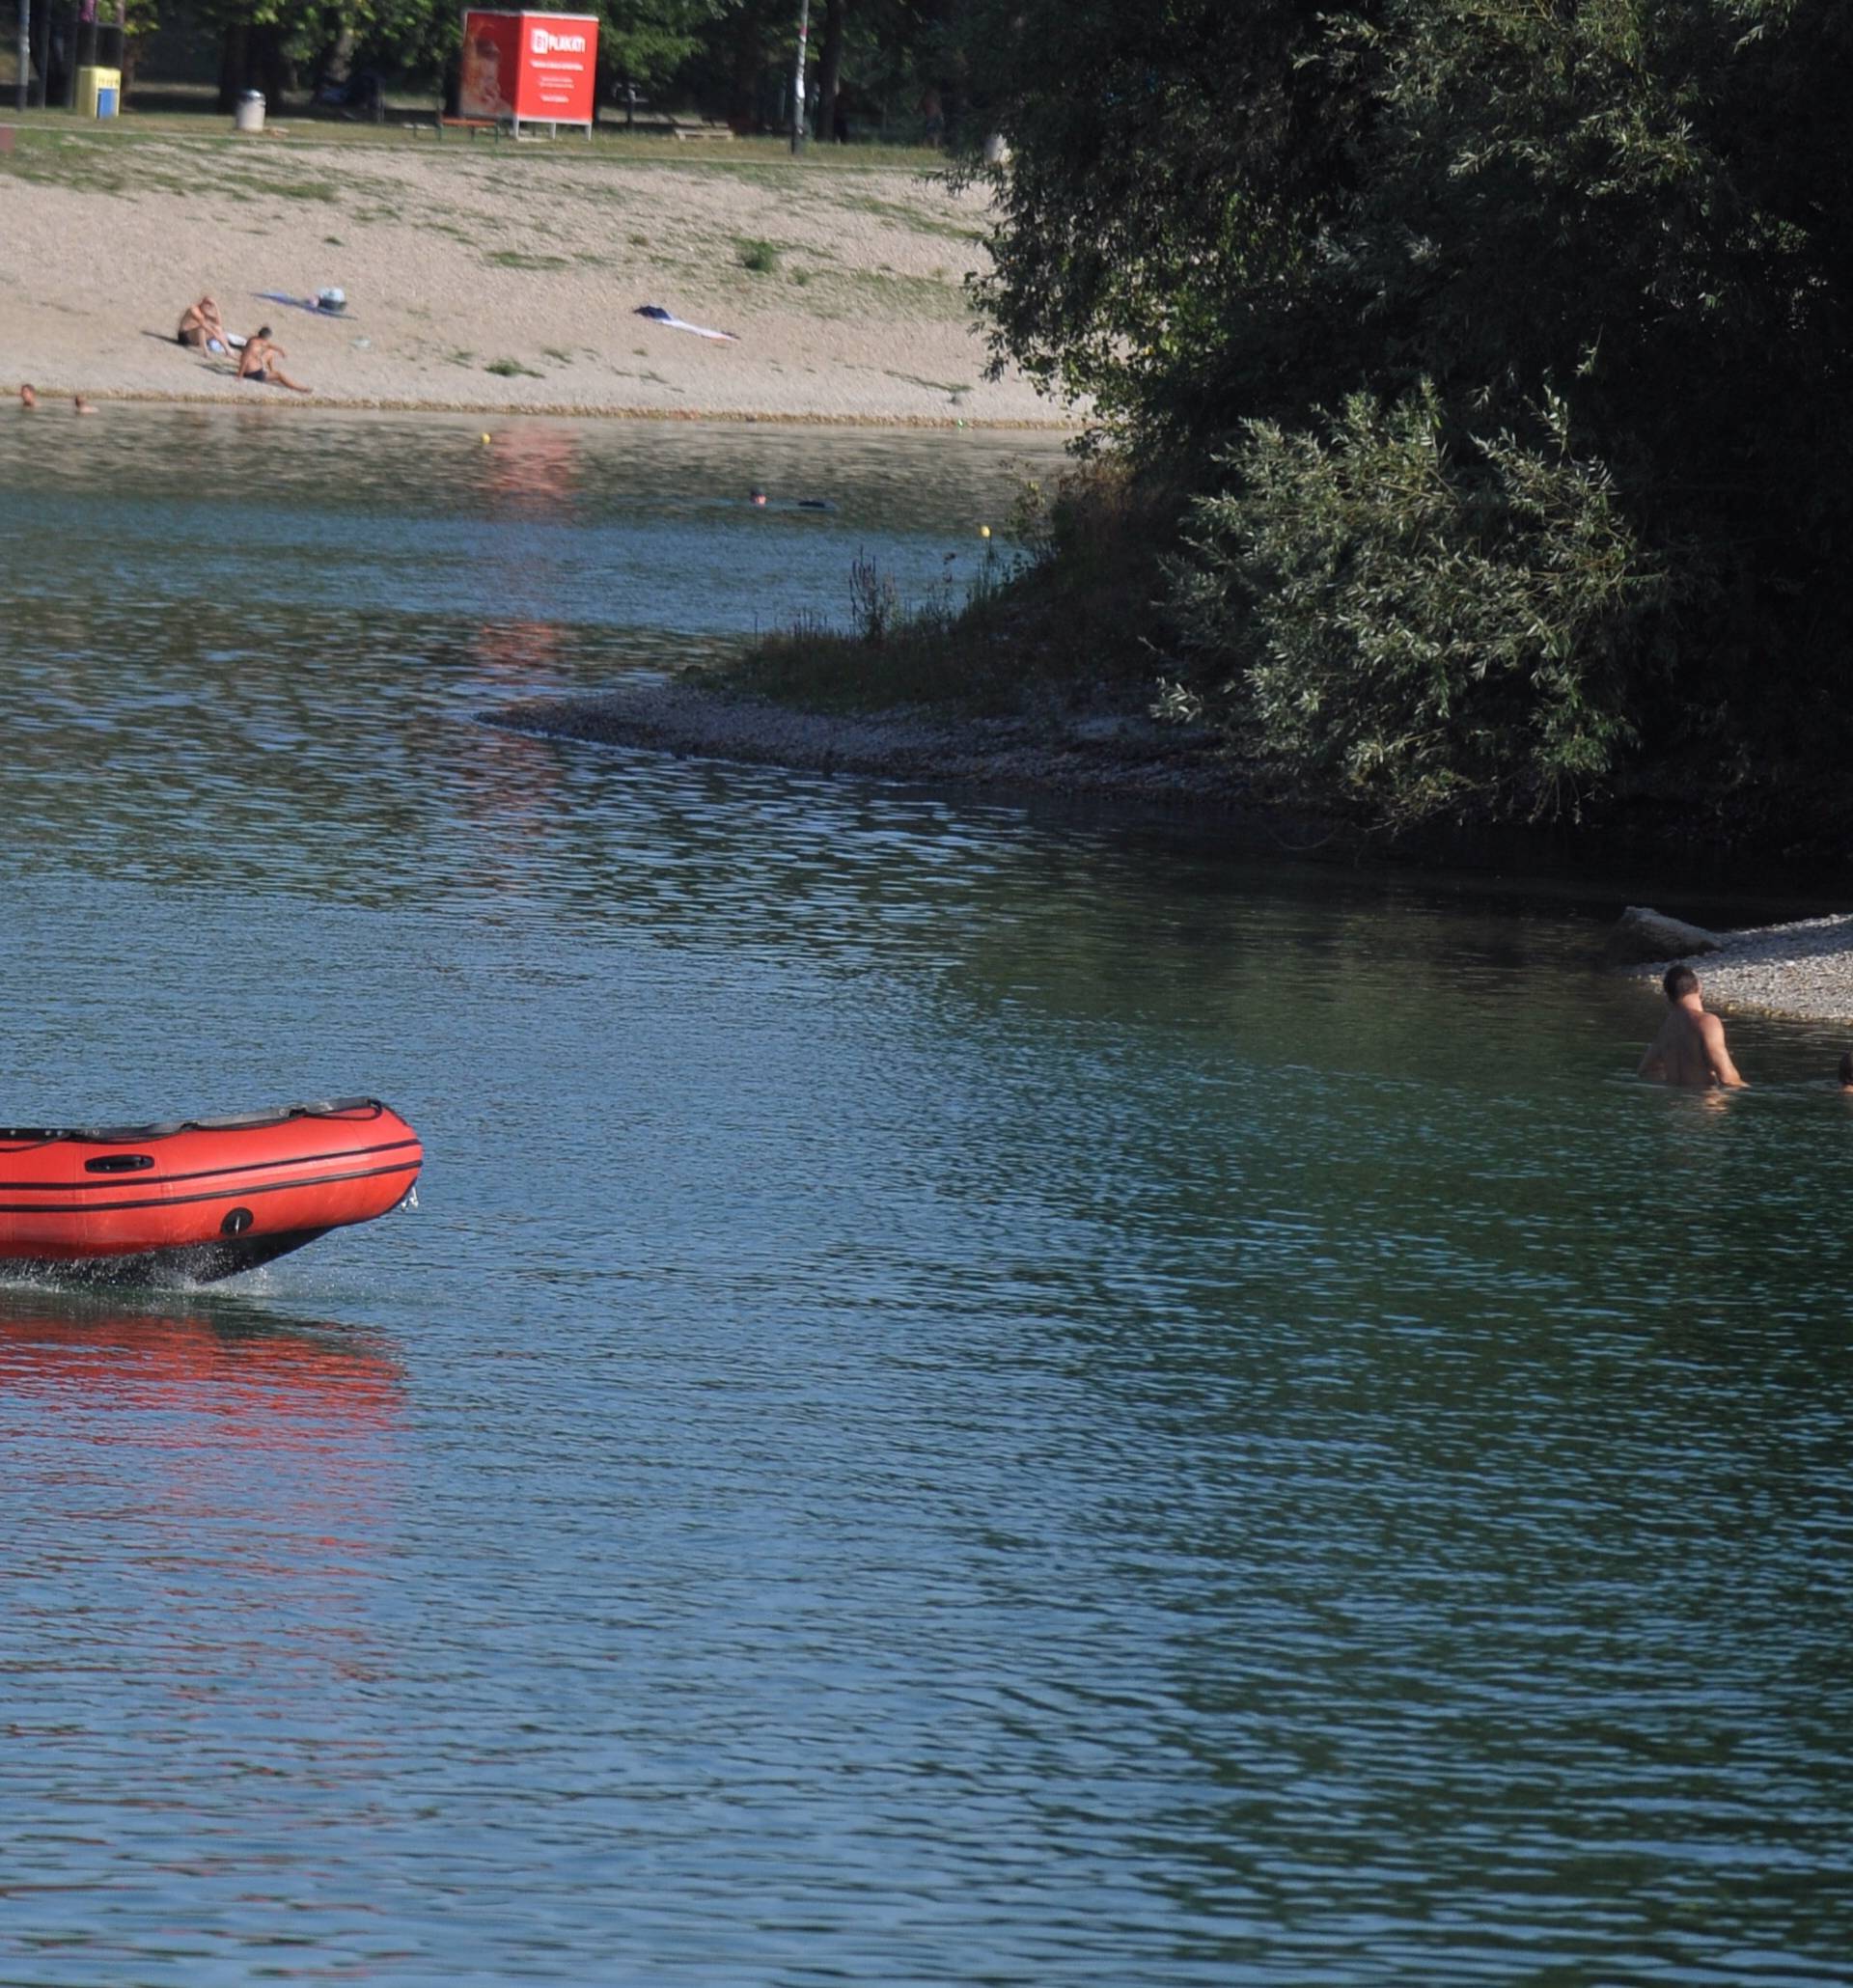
(1430, 629)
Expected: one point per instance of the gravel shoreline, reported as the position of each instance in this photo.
(1113, 755)
(1802, 972)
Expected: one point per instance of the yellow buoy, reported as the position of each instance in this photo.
(485, 438)
(983, 531)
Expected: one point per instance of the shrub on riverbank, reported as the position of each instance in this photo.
(1424, 629)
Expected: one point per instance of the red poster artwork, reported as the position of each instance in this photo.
(533, 67)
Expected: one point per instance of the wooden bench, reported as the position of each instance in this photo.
(475, 126)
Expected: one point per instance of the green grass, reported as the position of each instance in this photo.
(521, 259)
(764, 160)
(762, 257)
(512, 369)
(1004, 632)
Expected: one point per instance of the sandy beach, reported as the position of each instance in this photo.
(496, 276)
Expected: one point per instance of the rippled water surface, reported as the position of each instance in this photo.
(976, 1395)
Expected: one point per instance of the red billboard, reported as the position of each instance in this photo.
(535, 69)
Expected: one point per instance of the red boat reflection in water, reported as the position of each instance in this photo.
(202, 1502)
(249, 1377)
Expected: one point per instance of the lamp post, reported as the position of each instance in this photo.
(797, 80)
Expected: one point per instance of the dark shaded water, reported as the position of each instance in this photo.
(975, 1395)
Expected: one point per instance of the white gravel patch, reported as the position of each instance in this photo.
(1802, 971)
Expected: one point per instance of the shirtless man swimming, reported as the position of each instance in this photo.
(1690, 1047)
(257, 362)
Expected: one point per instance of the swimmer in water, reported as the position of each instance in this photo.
(1690, 1047)
(1846, 1071)
(757, 497)
(28, 399)
(79, 406)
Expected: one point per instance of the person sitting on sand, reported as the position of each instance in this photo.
(1690, 1047)
(28, 399)
(79, 406)
(202, 329)
(258, 363)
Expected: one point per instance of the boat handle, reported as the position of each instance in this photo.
(119, 1163)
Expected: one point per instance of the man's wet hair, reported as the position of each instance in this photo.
(1679, 982)
(264, 331)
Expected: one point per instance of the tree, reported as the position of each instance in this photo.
(1607, 233)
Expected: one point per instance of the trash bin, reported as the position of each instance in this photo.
(92, 81)
(107, 96)
(249, 115)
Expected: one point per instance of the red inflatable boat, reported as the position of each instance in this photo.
(200, 1198)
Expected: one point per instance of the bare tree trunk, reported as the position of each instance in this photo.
(830, 70)
(339, 65)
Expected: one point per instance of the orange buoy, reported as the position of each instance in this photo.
(198, 1198)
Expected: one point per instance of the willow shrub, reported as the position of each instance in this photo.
(1430, 629)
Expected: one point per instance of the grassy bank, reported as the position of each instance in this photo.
(1059, 618)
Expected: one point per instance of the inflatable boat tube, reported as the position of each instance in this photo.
(197, 1199)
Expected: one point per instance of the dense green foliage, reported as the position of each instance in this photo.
(1505, 345)
(1424, 629)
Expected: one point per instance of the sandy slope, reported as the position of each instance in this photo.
(459, 255)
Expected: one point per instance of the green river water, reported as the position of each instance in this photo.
(980, 1392)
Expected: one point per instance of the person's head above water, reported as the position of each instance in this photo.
(756, 496)
(1846, 1071)
(1677, 982)
(27, 397)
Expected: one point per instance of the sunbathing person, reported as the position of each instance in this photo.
(258, 363)
(202, 329)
